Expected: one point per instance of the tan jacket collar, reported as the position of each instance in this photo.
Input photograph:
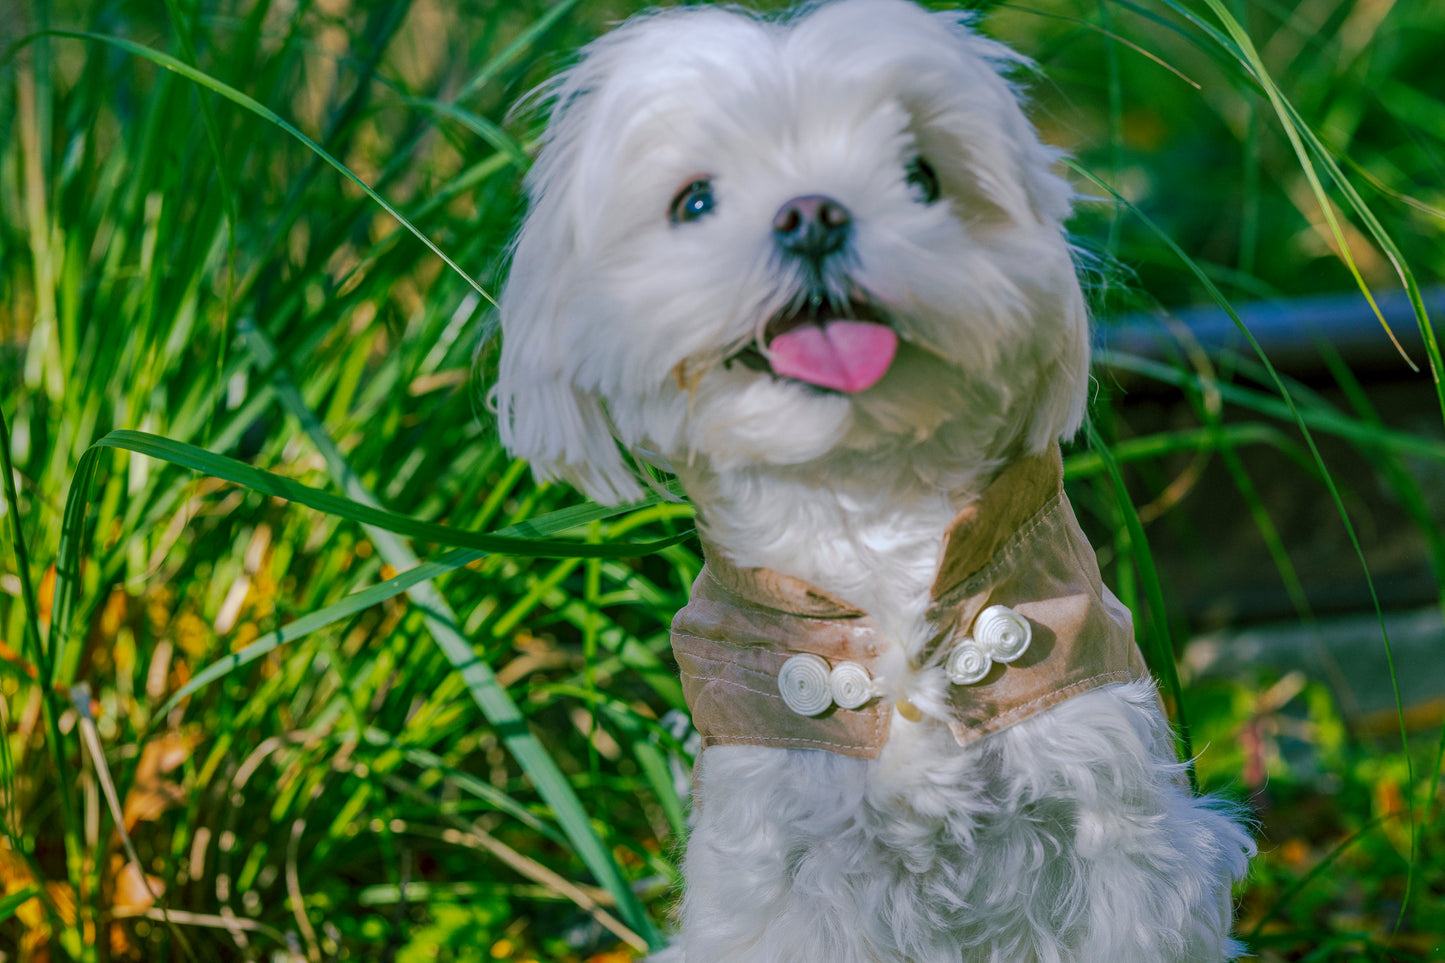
(1018, 546)
(973, 537)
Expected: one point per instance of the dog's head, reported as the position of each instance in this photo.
(835, 236)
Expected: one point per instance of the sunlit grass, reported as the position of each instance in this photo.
(257, 708)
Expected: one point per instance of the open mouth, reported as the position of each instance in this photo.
(846, 348)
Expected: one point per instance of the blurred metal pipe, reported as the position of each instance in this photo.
(1290, 332)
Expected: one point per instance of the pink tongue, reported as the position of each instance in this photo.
(843, 355)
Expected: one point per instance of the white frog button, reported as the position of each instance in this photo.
(851, 685)
(803, 684)
(968, 663)
(999, 634)
(1002, 633)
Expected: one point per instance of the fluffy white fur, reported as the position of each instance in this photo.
(1067, 837)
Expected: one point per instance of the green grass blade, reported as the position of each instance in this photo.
(1298, 133)
(1392, 252)
(513, 50)
(1235, 43)
(654, 767)
(304, 625)
(1158, 637)
(184, 32)
(1335, 497)
(1085, 464)
(56, 744)
(241, 99)
(483, 128)
(13, 901)
(270, 483)
(362, 599)
(481, 681)
(1315, 872)
(468, 783)
(1324, 421)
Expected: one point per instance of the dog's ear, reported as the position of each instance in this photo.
(551, 409)
(546, 412)
(543, 414)
(1037, 193)
(1022, 171)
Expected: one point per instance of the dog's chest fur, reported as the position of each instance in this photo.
(870, 537)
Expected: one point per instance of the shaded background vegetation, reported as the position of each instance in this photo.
(301, 773)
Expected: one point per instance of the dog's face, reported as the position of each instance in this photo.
(756, 242)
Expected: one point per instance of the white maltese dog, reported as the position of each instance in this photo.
(815, 266)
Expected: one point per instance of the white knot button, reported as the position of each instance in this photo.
(1002, 633)
(803, 684)
(850, 684)
(967, 663)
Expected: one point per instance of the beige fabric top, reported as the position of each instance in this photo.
(1019, 545)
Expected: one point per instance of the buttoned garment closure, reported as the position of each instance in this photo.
(1022, 618)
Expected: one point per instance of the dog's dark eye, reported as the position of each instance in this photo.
(922, 181)
(692, 202)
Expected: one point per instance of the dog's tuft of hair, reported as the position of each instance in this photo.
(718, 198)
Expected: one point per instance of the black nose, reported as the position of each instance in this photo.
(812, 227)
